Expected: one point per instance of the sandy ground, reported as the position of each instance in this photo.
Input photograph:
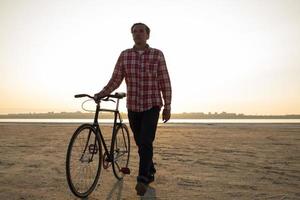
(206, 161)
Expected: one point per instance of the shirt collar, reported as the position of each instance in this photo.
(147, 48)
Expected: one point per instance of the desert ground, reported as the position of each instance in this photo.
(193, 161)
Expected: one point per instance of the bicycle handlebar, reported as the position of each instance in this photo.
(83, 95)
(117, 95)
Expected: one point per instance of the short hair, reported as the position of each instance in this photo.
(146, 27)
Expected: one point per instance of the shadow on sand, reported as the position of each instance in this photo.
(116, 191)
(150, 194)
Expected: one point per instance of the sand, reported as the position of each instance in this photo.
(204, 161)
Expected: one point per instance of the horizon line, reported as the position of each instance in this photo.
(175, 113)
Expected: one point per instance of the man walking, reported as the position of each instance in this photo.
(147, 80)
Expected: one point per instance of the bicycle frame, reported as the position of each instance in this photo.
(117, 116)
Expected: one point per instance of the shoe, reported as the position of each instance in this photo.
(141, 188)
(150, 179)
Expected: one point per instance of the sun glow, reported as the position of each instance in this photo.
(228, 56)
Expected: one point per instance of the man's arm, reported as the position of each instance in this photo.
(115, 80)
(165, 86)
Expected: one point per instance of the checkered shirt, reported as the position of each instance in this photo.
(147, 79)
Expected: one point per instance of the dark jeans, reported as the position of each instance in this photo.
(143, 125)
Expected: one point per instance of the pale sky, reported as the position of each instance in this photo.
(239, 56)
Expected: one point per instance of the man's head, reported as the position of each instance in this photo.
(140, 33)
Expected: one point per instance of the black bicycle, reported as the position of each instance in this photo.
(84, 156)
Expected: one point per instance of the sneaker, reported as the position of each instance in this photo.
(141, 188)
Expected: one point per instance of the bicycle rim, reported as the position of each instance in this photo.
(83, 164)
(121, 149)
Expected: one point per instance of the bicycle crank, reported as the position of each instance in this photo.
(106, 162)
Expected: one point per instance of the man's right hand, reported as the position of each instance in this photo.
(97, 96)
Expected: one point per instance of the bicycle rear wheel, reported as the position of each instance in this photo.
(121, 151)
(83, 162)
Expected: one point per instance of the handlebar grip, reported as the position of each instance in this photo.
(118, 95)
(80, 95)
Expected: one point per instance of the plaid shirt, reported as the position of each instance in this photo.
(146, 77)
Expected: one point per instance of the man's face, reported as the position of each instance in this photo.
(139, 34)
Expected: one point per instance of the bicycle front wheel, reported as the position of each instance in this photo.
(121, 151)
(84, 159)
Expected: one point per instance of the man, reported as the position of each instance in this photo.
(146, 76)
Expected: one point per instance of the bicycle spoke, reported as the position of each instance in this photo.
(124, 140)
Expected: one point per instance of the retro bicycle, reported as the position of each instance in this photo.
(85, 157)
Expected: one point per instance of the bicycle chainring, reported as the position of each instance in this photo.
(106, 163)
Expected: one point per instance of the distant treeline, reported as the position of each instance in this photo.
(53, 115)
(198, 115)
(225, 115)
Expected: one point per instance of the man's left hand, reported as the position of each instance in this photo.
(166, 115)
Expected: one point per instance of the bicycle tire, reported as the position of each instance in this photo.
(121, 144)
(90, 153)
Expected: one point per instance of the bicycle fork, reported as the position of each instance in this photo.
(92, 149)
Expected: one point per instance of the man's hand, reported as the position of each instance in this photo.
(166, 115)
(97, 96)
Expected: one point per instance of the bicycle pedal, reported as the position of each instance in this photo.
(125, 170)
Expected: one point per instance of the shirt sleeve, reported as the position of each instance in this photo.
(115, 80)
(164, 82)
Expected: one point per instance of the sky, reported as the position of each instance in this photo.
(238, 56)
